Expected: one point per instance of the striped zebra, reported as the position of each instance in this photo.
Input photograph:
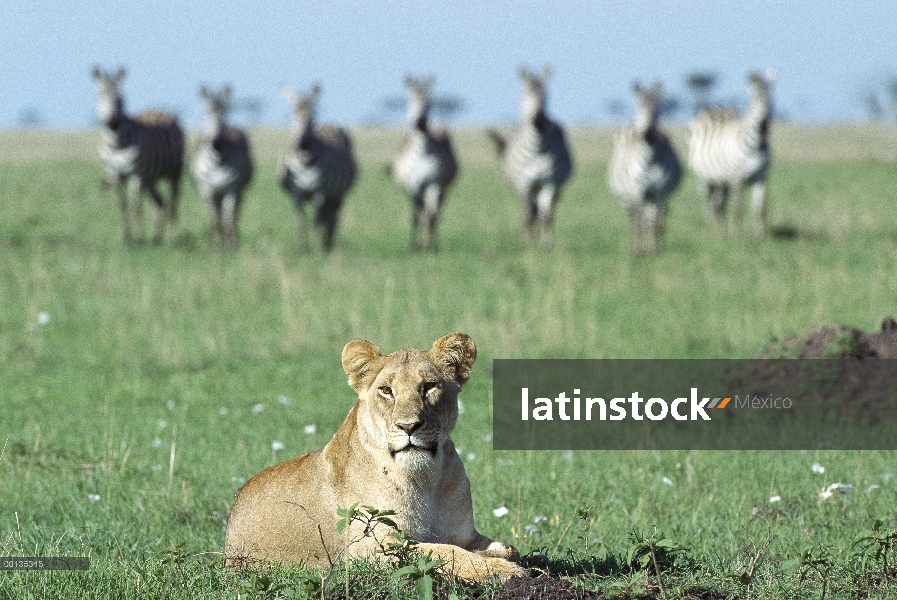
(136, 152)
(222, 167)
(536, 159)
(728, 151)
(318, 167)
(426, 165)
(644, 170)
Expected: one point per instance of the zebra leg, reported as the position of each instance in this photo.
(417, 216)
(214, 204)
(650, 219)
(229, 205)
(173, 205)
(716, 204)
(635, 218)
(432, 202)
(122, 193)
(545, 205)
(160, 213)
(134, 193)
(325, 220)
(758, 207)
(301, 224)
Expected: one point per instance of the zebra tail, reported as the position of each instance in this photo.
(500, 142)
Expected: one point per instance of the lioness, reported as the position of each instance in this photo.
(393, 451)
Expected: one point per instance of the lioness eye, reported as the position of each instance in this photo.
(386, 391)
(429, 385)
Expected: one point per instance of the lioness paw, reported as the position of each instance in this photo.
(499, 550)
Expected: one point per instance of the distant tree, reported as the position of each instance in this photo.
(879, 100)
(701, 85)
(443, 108)
(621, 110)
(252, 108)
(618, 110)
(30, 117)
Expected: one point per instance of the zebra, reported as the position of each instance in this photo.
(644, 170)
(426, 165)
(318, 167)
(535, 159)
(136, 152)
(728, 151)
(222, 166)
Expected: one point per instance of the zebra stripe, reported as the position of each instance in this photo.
(318, 167)
(728, 151)
(644, 170)
(136, 152)
(536, 159)
(426, 164)
(222, 166)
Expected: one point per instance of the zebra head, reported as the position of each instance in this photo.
(761, 98)
(110, 106)
(647, 106)
(217, 105)
(304, 106)
(419, 100)
(532, 101)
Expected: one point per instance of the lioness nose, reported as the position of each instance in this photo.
(409, 427)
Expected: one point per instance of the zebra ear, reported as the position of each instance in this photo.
(97, 72)
(546, 73)
(204, 92)
(657, 90)
(315, 91)
(429, 82)
(289, 95)
(119, 75)
(226, 94)
(637, 88)
(525, 74)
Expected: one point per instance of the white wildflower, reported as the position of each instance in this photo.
(275, 446)
(500, 511)
(170, 404)
(487, 438)
(285, 400)
(471, 456)
(161, 423)
(755, 511)
(835, 488)
(158, 468)
(43, 318)
(874, 486)
(531, 529)
(258, 408)
(310, 429)
(568, 455)
(817, 468)
(539, 519)
(157, 442)
(774, 499)
(667, 481)
(93, 497)
(222, 411)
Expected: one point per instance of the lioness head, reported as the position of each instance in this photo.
(409, 399)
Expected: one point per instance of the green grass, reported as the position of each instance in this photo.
(121, 393)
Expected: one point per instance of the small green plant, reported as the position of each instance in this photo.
(746, 576)
(812, 559)
(421, 574)
(261, 586)
(882, 541)
(655, 551)
(412, 565)
(584, 514)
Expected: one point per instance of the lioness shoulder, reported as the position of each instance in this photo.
(392, 451)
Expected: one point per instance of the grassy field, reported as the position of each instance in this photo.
(140, 387)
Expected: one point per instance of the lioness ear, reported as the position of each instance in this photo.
(454, 354)
(359, 362)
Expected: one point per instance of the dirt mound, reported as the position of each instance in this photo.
(838, 342)
(543, 588)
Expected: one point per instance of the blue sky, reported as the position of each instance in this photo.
(826, 53)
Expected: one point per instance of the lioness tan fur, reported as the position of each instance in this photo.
(393, 451)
